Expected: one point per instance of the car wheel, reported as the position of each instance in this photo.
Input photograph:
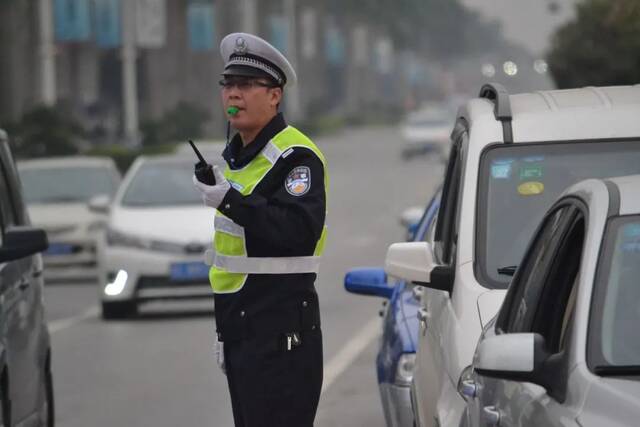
(5, 403)
(119, 310)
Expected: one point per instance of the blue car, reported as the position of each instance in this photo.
(396, 357)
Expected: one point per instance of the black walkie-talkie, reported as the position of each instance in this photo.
(203, 170)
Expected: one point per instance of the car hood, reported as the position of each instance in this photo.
(612, 402)
(175, 224)
(55, 216)
(426, 133)
(489, 304)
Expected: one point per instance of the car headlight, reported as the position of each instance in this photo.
(404, 370)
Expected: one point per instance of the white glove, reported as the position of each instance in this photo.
(218, 349)
(212, 195)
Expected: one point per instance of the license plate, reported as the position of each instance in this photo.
(189, 271)
(59, 249)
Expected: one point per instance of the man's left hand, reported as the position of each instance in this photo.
(212, 195)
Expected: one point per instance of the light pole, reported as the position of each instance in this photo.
(293, 94)
(130, 86)
(249, 17)
(47, 54)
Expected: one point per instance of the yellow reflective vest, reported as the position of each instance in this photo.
(230, 264)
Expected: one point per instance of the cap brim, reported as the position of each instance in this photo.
(244, 71)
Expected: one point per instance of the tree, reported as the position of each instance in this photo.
(599, 47)
(45, 131)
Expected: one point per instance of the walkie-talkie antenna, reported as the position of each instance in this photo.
(197, 152)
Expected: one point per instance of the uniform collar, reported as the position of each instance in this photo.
(238, 156)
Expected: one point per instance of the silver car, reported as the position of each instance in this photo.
(564, 349)
(26, 381)
(57, 192)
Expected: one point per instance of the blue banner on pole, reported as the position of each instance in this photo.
(108, 25)
(334, 46)
(279, 32)
(72, 20)
(200, 21)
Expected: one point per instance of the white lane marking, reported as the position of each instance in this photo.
(345, 357)
(61, 324)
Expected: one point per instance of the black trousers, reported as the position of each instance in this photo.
(273, 387)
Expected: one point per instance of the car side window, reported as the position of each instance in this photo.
(6, 212)
(446, 226)
(529, 281)
(555, 307)
(424, 232)
(429, 234)
(13, 187)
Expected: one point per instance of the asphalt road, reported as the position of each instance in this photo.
(158, 369)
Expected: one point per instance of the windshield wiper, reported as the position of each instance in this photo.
(508, 271)
(617, 371)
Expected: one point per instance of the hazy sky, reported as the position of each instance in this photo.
(528, 22)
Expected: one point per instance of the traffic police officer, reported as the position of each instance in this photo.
(269, 235)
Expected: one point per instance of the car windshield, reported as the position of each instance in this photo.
(68, 184)
(519, 182)
(616, 295)
(162, 184)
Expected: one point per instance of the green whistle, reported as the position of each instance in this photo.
(232, 111)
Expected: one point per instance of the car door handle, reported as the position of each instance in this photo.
(491, 415)
(423, 315)
(417, 292)
(23, 285)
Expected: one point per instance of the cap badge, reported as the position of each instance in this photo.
(241, 46)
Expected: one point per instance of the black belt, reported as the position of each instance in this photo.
(301, 317)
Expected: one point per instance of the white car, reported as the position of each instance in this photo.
(564, 349)
(157, 233)
(427, 131)
(57, 192)
(512, 156)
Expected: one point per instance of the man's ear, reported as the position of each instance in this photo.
(276, 96)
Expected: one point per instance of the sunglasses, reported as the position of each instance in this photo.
(243, 84)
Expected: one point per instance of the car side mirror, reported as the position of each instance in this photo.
(521, 357)
(100, 204)
(411, 217)
(413, 262)
(21, 241)
(368, 281)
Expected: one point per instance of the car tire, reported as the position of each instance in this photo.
(5, 403)
(119, 310)
(49, 409)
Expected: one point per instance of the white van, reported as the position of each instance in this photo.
(511, 157)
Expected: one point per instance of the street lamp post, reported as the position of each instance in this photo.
(293, 94)
(130, 86)
(47, 54)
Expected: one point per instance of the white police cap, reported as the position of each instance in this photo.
(246, 51)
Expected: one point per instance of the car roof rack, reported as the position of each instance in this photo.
(502, 107)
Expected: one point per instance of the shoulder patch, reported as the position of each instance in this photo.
(298, 182)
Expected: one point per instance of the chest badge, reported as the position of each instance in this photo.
(298, 181)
